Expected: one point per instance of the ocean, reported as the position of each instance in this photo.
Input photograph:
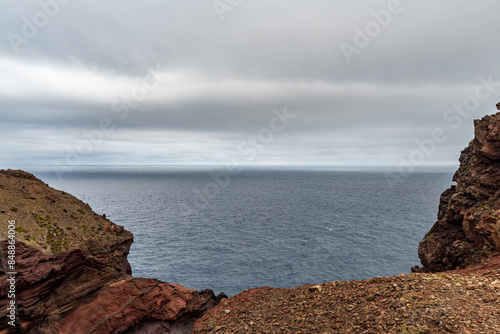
(207, 228)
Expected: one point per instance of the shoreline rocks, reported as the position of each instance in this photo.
(73, 275)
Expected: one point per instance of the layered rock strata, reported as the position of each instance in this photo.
(72, 273)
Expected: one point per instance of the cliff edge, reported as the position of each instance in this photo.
(468, 226)
(72, 273)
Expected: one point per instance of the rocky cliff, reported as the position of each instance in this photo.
(72, 273)
(468, 226)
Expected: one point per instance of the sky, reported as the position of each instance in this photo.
(250, 82)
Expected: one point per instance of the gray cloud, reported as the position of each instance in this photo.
(221, 80)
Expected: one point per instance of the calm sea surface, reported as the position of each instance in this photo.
(275, 227)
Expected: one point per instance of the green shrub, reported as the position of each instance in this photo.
(21, 229)
(81, 211)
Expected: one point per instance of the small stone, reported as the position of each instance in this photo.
(227, 311)
(495, 283)
(315, 288)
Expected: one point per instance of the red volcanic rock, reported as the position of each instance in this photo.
(468, 226)
(139, 305)
(72, 273)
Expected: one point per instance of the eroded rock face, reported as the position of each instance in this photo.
(72, 270)
(468, 226)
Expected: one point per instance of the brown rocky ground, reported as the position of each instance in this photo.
(466, 301)
(53, 221)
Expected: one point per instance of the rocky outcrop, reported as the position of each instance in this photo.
(72, 273)
(468, 226)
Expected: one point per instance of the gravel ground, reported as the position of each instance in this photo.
(463, 301)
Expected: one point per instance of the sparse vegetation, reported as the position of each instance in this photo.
(14, 209)
(56, 237)
(485, 207)
(81, 211)
(21, 229)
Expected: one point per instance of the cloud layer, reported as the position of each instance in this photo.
(170, 82)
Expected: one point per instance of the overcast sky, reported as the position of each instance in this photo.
(316, 82)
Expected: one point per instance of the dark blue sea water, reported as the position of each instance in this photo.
(263, 226)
